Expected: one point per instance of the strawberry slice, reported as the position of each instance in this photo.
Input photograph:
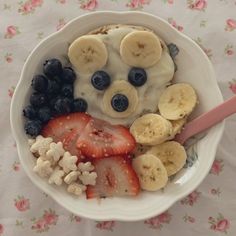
(67, 130)
(101, 139)
(116, 177)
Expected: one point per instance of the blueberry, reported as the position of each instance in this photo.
(137, 76)
(119, 102)
(173, 49)
(53, 88)
(68, 75)
(33, 127)
(37, 99)
(100, 80)
(30, 112)
(52, 67)
(67, 90)
(39, 83)
(63, 106)
(79, 105)
(44, 114)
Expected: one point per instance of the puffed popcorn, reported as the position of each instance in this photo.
(72, 177)
(41, 145)
(31, 141)
(56, 176)
(76, 188)
(87, 166)
(68, 162)
(55, 151)
(88, 178)
(43, 168)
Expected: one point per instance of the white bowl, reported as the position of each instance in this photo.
(193, 67)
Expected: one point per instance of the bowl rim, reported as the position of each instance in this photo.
(112, 216)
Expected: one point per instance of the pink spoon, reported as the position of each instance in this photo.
(207, 120)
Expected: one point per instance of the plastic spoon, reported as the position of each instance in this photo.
(207, 120)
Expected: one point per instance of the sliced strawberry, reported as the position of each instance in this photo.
(69, 143)
(116, 177)
(67, 130)
(101, 139)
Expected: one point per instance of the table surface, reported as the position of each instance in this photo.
(209, 210)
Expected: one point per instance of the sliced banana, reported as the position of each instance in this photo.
(88, 53)
(171, 154)
(177, 101)
(177, 126)
(151, 172)
(151, 129)
(120, 87)
(140, 49)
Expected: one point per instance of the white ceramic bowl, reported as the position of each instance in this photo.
(193, 67)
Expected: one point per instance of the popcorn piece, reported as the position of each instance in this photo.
(50, 159)
(68, 162)
(72, 177)
(41, 145)
(56, 151)
(43, 168)
(88, 178)
(31, 141)
(56, 176)
(76, 188)
(85, 166)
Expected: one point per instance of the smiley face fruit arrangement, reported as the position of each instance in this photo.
(105, 124)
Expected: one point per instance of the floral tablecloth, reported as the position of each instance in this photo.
(209, 210)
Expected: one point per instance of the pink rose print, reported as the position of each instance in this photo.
(11, 31)
(232, 85)
(230, 25)
(88, 5)
(229, 49)
(75, 218)
(16, 166)
(189, 219)
(137, 4)
(1, 229)
(61, 1)
(206, 50)
(11, 91)
(50, 218)
(174, 24)
(22, 204)
(199, 5)
(191, 198)
(216, 191)
(217, 167)
(158, 221)
(8, 57)
(29, 6)
(44, 222)
(36, 3)
(61, 24)
(106, 225)
(220, 223)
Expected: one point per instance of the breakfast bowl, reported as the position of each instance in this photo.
(193, 67)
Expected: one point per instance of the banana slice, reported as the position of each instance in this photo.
(140, 49)
(151, 172)
(124, 88)
(88, 53)
(177, 126)
(151, 129)
(171, 154)
(177, 101)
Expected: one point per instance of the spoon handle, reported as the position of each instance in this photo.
(207, 120)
